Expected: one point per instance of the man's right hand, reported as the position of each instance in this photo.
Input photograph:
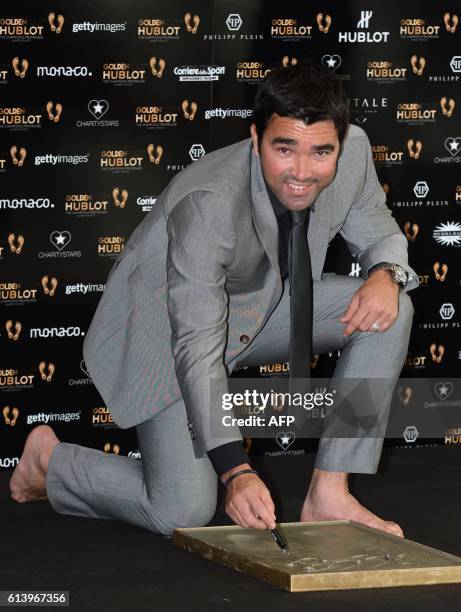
(248, 501)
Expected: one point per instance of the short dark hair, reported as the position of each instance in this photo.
(305, 91)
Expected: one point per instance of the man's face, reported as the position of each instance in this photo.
(298, 160)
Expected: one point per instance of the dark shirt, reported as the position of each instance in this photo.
(230, 455)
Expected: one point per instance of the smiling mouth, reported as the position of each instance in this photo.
(298, 188)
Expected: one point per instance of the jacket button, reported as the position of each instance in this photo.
(244, 338)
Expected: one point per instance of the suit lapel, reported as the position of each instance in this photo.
(263, 214)
(267, 228)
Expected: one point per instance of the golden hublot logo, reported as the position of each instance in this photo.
(111, 448)
(119, 159)
(192, 23)
(16, 244)
(18, 157)
(251, 71)
(418, 64)
(189, 109)
(15, 27)
(289, 29)
(417, 28)
(111, 245)
(55, 23)
(415, 361)
(13, 291)
(323, 23)
(440, 271)
(83, 204)
(385, 71)
(46, 371)
(157, 66)
(453, 436)
(54, 111)
(20, 66)
(405, 394)
(414, 111)
(12, 378)
(451, 22)
(49, 285)
(447, 106)
(13, 331)
(458, 193)
(414, 148)
(383, 154)
(437, 352)
(289, 61)
(157, 28)
(274, 368)
(18, 116)
(122, 72)
(155, 116)
(101, 416)
(119, 201)
(155, 153)
(411, 230)
(10, 415)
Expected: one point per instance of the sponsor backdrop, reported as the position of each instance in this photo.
(103, 103)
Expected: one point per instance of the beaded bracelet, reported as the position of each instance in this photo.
(238, 474)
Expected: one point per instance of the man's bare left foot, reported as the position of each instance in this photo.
(329, 499)
(28, 482)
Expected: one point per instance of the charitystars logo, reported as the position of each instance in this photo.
(452, 144)
(359, 36)
(97, 109)
(59, 239)
(120, 161)
(86, 380)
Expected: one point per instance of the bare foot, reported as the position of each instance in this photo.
(333, 503)
(28, 482)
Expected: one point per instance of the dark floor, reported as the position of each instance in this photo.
(109, 565)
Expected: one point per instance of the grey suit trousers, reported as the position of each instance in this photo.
(172, 488)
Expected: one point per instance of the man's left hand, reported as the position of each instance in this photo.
(375, 306)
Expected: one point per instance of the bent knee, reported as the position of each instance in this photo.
(196, 514)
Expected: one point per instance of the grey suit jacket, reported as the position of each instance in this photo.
(201, 272)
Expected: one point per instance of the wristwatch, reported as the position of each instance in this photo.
(399, 275)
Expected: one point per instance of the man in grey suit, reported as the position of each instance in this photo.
(202, 287)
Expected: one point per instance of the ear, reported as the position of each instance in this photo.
(254, 138)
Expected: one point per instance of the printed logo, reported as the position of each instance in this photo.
(285, 439)
(234, 22)
(448, 233)
(421, 189)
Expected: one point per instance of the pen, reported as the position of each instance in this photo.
(278, 536)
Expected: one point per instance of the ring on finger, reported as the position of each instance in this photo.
(375, 327)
